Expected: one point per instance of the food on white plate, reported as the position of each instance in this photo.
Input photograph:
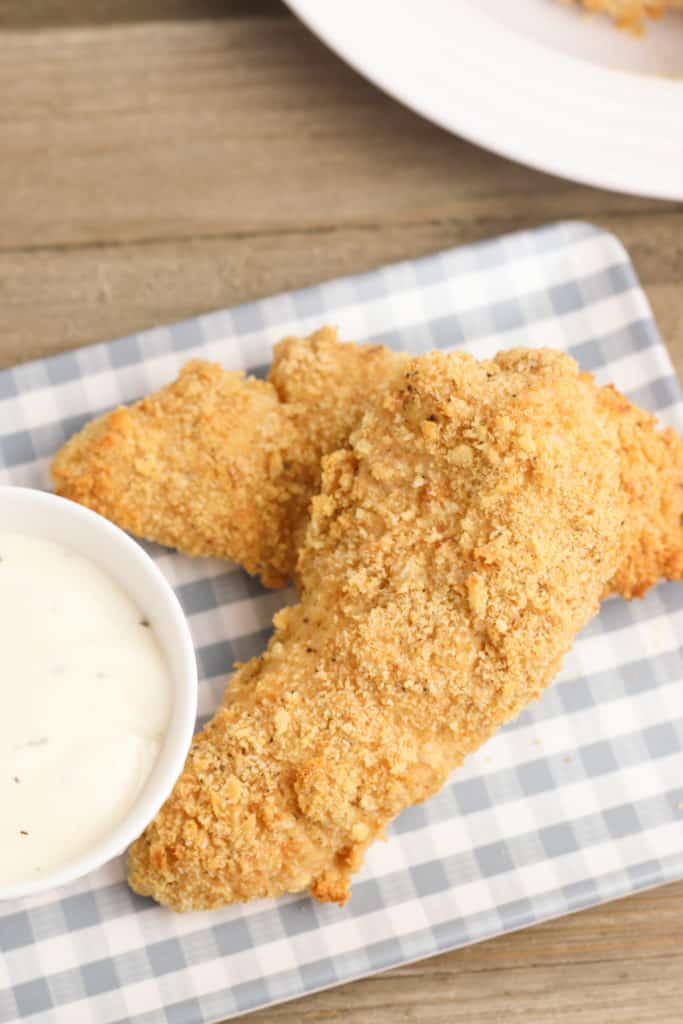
(631, 14)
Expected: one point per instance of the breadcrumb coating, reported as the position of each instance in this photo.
(223, 465)
(457, 546)
(652, 481)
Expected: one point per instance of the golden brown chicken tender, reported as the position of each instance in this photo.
(455, 549)
(223, 465)
(652, 480)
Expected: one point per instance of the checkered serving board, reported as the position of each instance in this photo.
(578, 801)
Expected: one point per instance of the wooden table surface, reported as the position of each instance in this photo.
(161, 158)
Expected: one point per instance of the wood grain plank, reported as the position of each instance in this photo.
(621, 963)
(57, 299)
(42, 14)
(240, 126)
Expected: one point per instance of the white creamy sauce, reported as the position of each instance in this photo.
(85, 699)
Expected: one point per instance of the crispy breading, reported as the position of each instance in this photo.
(457, 546)
(218, 464)
(198, 466)
(222, 465)
(652, 480)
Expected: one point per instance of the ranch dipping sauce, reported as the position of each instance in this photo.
(85, 700)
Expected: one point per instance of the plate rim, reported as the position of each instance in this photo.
(314, 15)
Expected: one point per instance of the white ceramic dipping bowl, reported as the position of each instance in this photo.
(39, 514)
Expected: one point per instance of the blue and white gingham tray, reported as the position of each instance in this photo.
(578, 801)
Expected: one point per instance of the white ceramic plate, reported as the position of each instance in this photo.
(534, 80)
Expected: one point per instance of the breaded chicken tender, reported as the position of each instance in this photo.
(223, 465)
(652, 480)
(457, 546)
